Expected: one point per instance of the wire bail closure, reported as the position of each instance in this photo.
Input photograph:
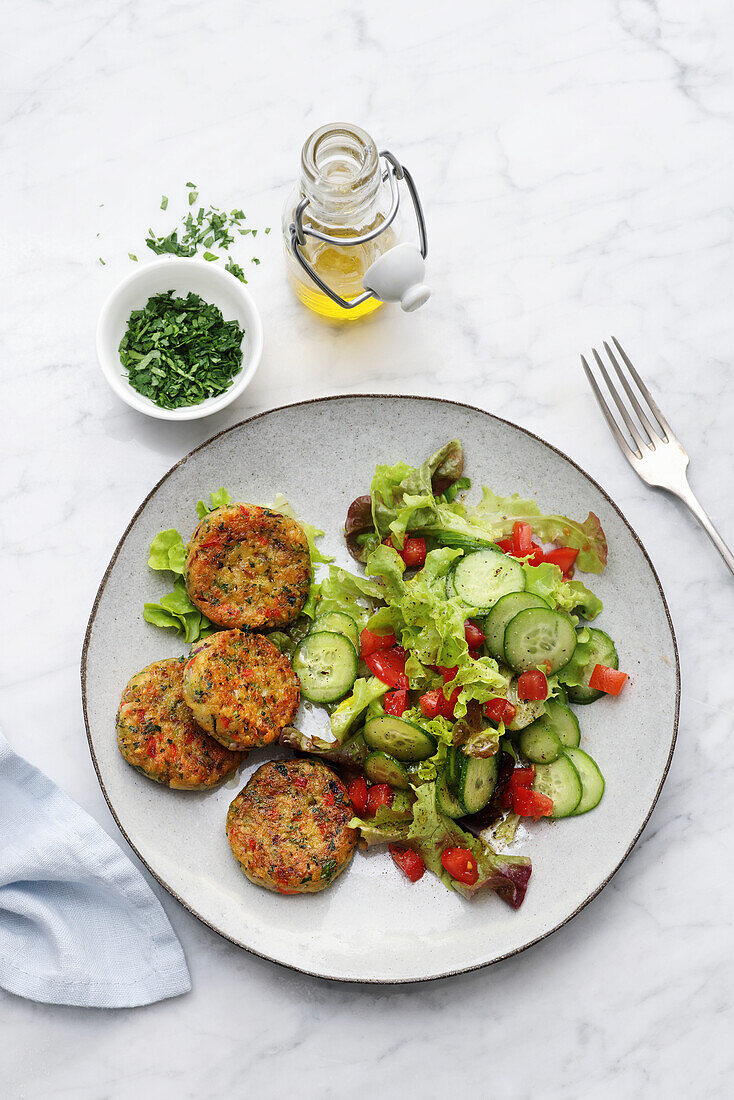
(394, 172)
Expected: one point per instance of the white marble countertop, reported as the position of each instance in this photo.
(576, 167)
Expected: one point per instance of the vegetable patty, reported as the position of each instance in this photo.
(249, 567)
(240, 688)
(157, 734)
(288, 827)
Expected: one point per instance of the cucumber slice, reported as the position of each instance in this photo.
(399, 738)
(539, 743)
(454, 757)
(526, 710)
(381, 768)
(539, 638)
(559, 781)
(603, 652)
(326, 665)
(477, 782)
(592, 781)
(336, 622)
(480, 579)
(503, 611)
(446, 801)
(563, 722)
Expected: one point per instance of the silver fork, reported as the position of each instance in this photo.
(654, 453)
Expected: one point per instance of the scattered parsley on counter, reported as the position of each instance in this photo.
(180, 351)
(208, 228)
(235, 269)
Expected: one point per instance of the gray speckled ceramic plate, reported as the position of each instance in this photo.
(372, 925)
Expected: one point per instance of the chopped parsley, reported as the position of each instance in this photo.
(180, 351)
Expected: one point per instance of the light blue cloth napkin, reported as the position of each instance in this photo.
(79, 925)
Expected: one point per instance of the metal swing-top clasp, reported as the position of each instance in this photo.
(397, 275)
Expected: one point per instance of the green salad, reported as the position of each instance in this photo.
(440, 678)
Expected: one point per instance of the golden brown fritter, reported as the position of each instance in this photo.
(288, 827)
(248, 567)
(240, 688)
(157, 734)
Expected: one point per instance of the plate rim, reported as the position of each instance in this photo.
(391, 397)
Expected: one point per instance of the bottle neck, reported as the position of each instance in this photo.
(340, 176)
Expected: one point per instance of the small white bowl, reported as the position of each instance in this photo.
(180, 275)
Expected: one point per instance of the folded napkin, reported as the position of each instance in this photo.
(79, 925)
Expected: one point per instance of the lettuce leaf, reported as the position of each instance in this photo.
(351, 754)
(372, 832)
(168, 551)
(480, 680)
(386, 563)
(443, 730)
(351, 709)
(391, 484)
(346, 592)
(218, 500)
(175, 611)
(546, 580)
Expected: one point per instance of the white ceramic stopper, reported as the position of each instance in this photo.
(397, 276)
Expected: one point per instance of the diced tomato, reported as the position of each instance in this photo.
(408, 861)
(371, 643)
(450, 703)
(521, 778)
(475, 654)
(505, 545)
(474, 636)
(522, 539)
(564, 557)
(357, 791)
(529, 803)
(379, 795)
(521, 544)
(388, 665)
(461, 865)
(152, 746)
(500, 710)
(414, 553)
(430, 703)
(532, 685)
(300, 781)
(434, 703)
(536, 555)
(396, 702)
(448, 673)
(610, 680)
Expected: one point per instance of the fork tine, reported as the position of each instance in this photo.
(652, 433)
(624, 446)
(664, 425)
(631, 426)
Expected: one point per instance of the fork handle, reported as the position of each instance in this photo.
(688, 497)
